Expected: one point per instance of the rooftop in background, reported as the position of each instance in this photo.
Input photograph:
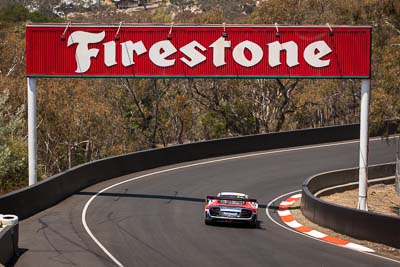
(123, 4)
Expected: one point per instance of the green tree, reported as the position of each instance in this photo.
(13, 162)
(19, 13)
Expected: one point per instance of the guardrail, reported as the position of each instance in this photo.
(352, 222)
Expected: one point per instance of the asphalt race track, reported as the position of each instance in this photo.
(158, 220)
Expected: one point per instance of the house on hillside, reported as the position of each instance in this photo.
(122, 4)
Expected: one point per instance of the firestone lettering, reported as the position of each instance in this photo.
(161, 53)
(128, 49)
(255, 50)
(274, 51)
(190, 50)
(219, 51)
(83, 53)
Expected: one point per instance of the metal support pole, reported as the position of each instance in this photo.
(364, 141)
(32, 133)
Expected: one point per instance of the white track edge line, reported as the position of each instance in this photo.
(300, 233)
(84, 211)
(91, 234)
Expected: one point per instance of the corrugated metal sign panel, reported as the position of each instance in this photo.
(348, 55)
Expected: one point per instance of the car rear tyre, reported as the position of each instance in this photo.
(207, 220)
(253, 223)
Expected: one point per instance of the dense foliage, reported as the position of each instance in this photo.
(13, 163)
(18, 13)
(81, 120)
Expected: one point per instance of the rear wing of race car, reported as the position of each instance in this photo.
(251, 200)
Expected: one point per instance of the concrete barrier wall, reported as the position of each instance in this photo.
(8, 244)
(49, 192)
(352, 222)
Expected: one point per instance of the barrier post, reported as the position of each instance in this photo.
(364, 141)
(32, 132)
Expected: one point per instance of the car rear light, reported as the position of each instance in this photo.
(246, 213)
(215, 211)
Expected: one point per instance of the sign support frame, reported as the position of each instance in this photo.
(364, 145)
(32, 131)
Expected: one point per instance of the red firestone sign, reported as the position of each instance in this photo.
(246, 51)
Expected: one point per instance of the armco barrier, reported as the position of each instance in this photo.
(47, 193)
(352, 222)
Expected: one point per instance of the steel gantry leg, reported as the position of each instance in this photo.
(364, 141)
(32, 132)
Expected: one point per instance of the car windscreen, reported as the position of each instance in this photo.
(232, 200)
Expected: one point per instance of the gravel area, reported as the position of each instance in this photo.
(381, 199)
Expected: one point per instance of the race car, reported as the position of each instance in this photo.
(231, 207)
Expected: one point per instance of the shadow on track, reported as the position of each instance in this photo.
(275, 208)
(176, 198)
(143, 196)
(14, 260)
